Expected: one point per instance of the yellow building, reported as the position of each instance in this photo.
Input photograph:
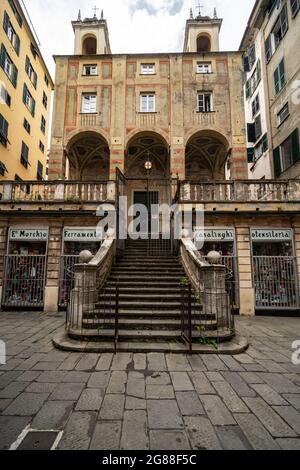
(25, 98)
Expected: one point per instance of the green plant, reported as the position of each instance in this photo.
(205, 340)
(184, 281)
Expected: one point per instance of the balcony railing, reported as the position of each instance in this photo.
(240, 191)
(57, 191)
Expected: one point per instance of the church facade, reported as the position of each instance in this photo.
(162, 128)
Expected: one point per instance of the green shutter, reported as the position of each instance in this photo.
(5, 22)
(250, 153)
(17, 45)
(33, 108)
(248, 88)
(265, 144)
(34, 80)
(24, 93)
(14, 79)
(2, 56)
(277, 81)
(295, 146)
(282, 74)
(277, 162)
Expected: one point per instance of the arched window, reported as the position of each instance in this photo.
(203, 44)
(89, 46)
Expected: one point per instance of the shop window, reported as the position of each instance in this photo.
(16, 12)
(147, 69)
(147, 103)
(90, 70)
(5, 96)
(295, 6)
(204, 67)
(11, 33)
(28, 100)
(89, 104)
(27, 126)
(3, 131)
(43, 125)
(205, 102)
(25, 155)
(279, 77)
(30, 72)
(283, 114)
(8, 66)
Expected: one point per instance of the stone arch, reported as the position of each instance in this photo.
(89, 44)
(203, 43)
(88, 157)
(143, 146)
(206, 154)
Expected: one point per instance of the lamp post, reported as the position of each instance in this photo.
(148, 168)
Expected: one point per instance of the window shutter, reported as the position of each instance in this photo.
(295, 146)
(5, 22)
(34, 80)
(282, 73)
(250, 153)
(14, 79)
(251, 133)
(258, 129)
(17, 45)
(24, 93)
(277, 81)
(265, 143)
(246, 64)
(2, 56)
(33, 108)
(277, 162)
(27, 64)
(284, 21)
(268, 49)
(248, 88)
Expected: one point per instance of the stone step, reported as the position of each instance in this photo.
(143, 323)
(143, 289)
(133, 283)
(146, 275)
(143, 305)
(138, 314)
(138, 297)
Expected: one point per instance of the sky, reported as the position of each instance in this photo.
(134, 25)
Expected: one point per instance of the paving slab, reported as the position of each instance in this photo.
(79, 431)
(269, 395)
(169, 440)
(164, 414)
(134, 432)
(117, 382)
(112, 407)
(26, 404)
(232, 438)
(189, 404)
(230, 398)
(53, 415)
(289, 444)
(256, 433)
(11, 427)
(104, 362)
(216, 410)
(160, 392)
(106, 436)
(156, 362)
(135, 404)
(90, 400)
(67, 391)
(181, 382)
(202, 434)
(201, 383)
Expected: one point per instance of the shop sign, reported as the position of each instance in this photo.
(81, 235)
(29, 235)
(215, 235)
(271, 235)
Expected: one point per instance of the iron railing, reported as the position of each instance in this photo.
(67, 276)
(24, 281)
(275, 282)
(207, 316)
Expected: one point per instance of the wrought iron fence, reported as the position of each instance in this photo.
(207, 316)
(275, 282)
(24, 281)
(67, 277)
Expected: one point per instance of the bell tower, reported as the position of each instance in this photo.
(91, 35)
(202, 33)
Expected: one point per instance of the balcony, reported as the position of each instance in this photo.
(146, 120)
(89, 120)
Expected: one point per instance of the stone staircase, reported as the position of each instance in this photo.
(149, 301)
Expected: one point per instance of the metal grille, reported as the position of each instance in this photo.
(24, 281)
(67, 278)
(275, 282)
(231, 279)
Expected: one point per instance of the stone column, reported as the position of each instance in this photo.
(53, 268)
(57, 163)
(247, 292)
(117, 160)
(3, 248)
(238, 163)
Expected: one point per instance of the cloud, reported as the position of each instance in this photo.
(154, 7)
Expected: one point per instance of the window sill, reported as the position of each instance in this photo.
(147, 112)
(84, 75)
(147, 74)
(205, 112)
(88, 114)
(204, 73)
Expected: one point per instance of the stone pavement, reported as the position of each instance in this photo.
(151, 401)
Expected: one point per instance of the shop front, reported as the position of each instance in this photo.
(25, 268)
(274, 267)
(223, 241)
(75, 240)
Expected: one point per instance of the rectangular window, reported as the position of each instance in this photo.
(147, 103)
(16, 12)
(279, 77)
(5, 96)
(90, 70)
(34, 50)
(261, 147)
(283, 114)
(27, 126)
(268, 49)
(295, 6)
(147, 69)
(3, 131)
(45, 100)
(40, 169)
(8, 66)
(42, 147)
(11, 33)
(287, 154)
(3, 169)
(204, 67)
(43, 125)
(89, 104)
(46, 80)
(255, 105)
(24, 155)
(281, 27)
(205, 102)
(252, 56)
(30, 72)
(28, 100)
(258, 128)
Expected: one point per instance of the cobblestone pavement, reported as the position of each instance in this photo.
(151, 401)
